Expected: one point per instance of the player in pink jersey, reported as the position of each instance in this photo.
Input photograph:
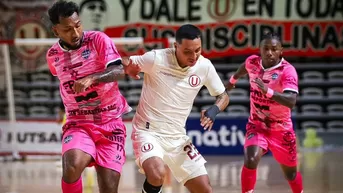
(273, 93)
(88, 65)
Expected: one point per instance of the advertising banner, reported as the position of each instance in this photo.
(229, 27)
(226, 137)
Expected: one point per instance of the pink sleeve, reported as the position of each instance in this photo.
(50, 61)
(251, 61)
(106, 49)
(290, 80)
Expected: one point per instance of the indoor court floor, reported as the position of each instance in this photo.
(322, 173)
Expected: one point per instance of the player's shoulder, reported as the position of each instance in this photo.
(287, 65)
(53, 50)
(204, 63)
(164, 51)
(253, 59)
(93, 33)
(94, 36)
(164, 56)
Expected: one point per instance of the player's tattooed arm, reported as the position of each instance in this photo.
(111, 74)
(222, 101)
(208, 116)
(116, 72)
(287, 98)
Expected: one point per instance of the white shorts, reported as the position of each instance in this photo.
(181, 156)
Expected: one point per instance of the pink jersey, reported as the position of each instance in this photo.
(264, 111)
(100, 102)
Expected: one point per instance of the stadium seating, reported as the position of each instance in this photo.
(319, 105)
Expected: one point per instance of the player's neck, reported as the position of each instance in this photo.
(66, 46)
(266, 65)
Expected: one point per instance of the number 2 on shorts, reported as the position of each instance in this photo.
(191, 150)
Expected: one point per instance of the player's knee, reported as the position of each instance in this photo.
(155, 171)
(251, 162)
(156, 176)
(72, 170)
(290, 175)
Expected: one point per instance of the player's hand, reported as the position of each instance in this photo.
(132, 70)
(82, 84)
(205, 122)
(230, 86)
(259, 82)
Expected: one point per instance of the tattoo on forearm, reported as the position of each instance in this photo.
(222, 100)
(111, 74)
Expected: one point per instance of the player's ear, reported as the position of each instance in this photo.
(281, 52)
(175, 44)
(54, 30)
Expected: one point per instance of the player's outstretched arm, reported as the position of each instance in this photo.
(241, 71)
(209, 115)
(112, 73)
(145, 61)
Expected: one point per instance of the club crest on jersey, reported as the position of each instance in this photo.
(147, 147)
(194, 80)
(275, 76)
(85, 54)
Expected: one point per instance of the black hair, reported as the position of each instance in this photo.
(187, 31)
(270, 36)
(62, 9)
(84, 2)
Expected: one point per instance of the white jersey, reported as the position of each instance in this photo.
(169, 91)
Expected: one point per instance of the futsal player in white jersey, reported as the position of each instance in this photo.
(172, 80)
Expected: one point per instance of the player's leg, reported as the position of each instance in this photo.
(78, 151)
(284, 148)
(168, 179)
(108, 180)
(149, 158)
(187, 165)
(155, 173)
(254, 148)
(110, 155)
(199, 182)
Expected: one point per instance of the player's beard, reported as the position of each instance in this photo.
(67, 46)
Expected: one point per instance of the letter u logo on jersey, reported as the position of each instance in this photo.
(147, 147)
(194, 80)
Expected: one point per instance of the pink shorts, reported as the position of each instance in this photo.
(105, 143)
(282, 143)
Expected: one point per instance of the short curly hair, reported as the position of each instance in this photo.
(62, 9)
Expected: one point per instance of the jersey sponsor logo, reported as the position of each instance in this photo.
(194, 80)
(86, 97)
(52, 52)
(147, 147)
